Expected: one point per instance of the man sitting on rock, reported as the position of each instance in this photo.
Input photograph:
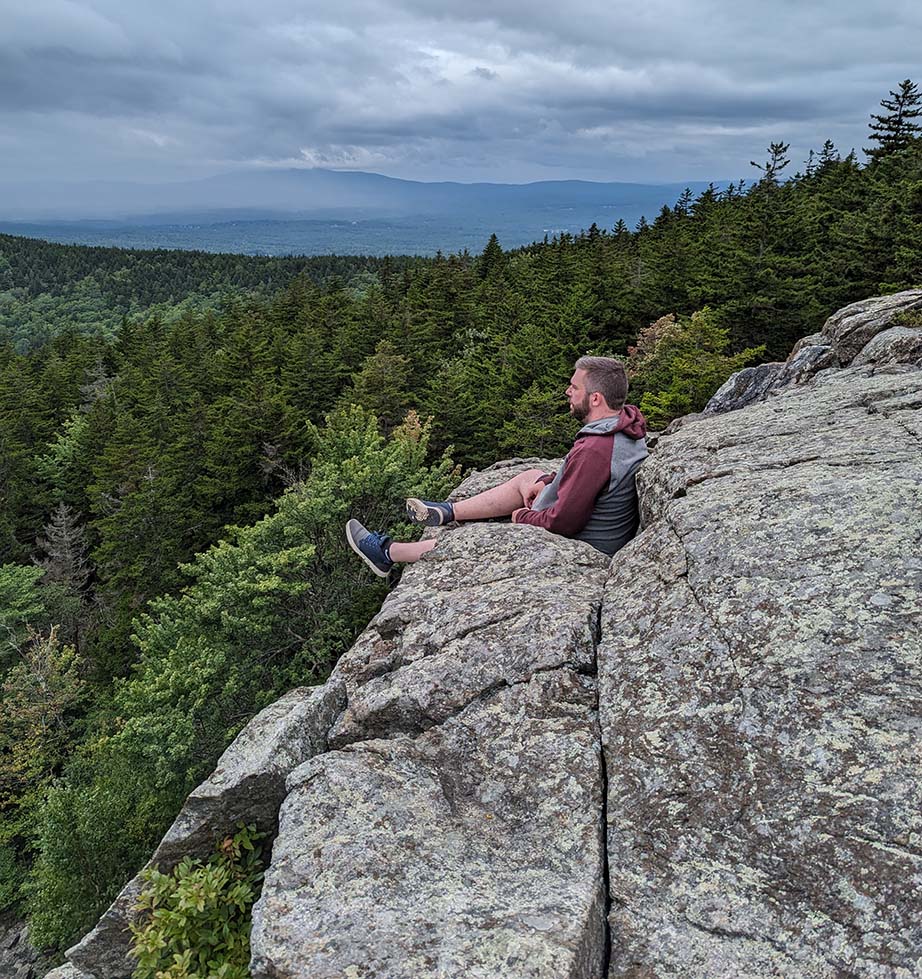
(592, 497)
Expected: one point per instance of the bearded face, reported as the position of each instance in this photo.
(580, 409)
(578, 395)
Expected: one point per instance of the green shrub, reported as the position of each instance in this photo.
(96, 827)
(10, 877)
(678, 364)
(908, 317)
(196, 919)
(270, 607)
(21, 606)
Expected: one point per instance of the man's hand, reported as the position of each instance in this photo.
(531, 494)
(516, 513)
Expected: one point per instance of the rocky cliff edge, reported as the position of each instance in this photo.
(701, 758)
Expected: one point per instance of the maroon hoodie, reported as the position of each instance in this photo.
(592, 496)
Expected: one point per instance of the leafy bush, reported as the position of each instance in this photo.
(21, 605)
(98, 824)
(196, 920)
(908, 317)
(10, 877)
(270, 607)
(40, 697)
(678, 364)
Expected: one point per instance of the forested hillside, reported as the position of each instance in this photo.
(173, 486)
(47, 288)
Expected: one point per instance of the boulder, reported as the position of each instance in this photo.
(897, 345)
(858, 335)
(849, 330)
(806, 361)
(754, 384)
(248, 785)
(18, 956)
(474, 850)
(760, 670)
(470, 739)
(490, 606)
(67, 971)
(749, 385)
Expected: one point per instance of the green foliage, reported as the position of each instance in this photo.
(678, 364)
(909, 317)
(11, 877)
(97, 825)
(21, 607)
(48, 289)
(382, 386)
(39, 701)
(895, 130)
(270, 607)
(196, 920)
(37, 695)
(540, 424)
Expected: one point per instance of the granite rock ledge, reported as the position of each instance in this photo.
(701, 758)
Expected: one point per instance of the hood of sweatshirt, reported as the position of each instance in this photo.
(629, 420)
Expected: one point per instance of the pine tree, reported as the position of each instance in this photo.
(896, 129)
(775, 163)
(67, 571)
(492, 259)
(382, 386)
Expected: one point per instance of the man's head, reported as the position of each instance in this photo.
(597, 388)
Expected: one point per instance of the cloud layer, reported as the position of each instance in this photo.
(505, 90)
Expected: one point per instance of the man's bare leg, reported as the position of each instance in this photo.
(410, 552)
(499, 501)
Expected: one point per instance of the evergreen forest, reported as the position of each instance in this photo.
(183, 435)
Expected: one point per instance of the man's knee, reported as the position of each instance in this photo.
(526, 480)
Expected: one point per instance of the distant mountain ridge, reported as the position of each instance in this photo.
(310, 212)
(323, 194)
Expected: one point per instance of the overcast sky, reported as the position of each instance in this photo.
(505, 90)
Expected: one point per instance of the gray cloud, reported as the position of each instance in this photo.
(505, 90)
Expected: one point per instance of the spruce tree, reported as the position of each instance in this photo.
(775, 163)
(67, 572)
(896, 129)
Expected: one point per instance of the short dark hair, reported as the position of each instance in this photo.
(606, 376)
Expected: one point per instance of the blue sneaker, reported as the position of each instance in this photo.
(428, 513)
(370, 547)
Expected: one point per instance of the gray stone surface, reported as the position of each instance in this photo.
(849, 329)
(247, 785)
(474, 850)
(761, 692)
(813, 340)
(491, 605)
(857, 335)
(805, 361)
(457, 831)
(896, 345)
(753, 384)
(744, 387)
(18, 957)
(67, 971)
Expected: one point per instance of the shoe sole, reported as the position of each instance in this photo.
(418, 512)
(365, 558)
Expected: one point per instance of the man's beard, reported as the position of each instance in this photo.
(580, 410)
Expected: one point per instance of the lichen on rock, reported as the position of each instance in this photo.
(700, 758)
(759, 694)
